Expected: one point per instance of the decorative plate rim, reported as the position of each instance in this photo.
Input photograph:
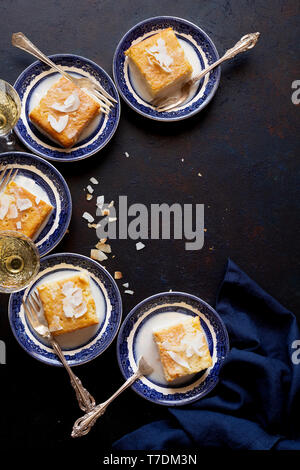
(84, 361)
(157, 118)
(210, 387)
(74, 159)
(65, 185)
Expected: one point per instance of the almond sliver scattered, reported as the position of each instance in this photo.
(139, 246)
(87, 216)
(128, 291)
(103, 247)
(93, 180)
(98, 255)
(118, 275)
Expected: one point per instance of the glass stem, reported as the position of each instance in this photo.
(9, 138)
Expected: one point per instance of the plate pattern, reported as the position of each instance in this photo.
(201, 383)
(41, 145)
(53, 183)
(107, 331)
(202, 45)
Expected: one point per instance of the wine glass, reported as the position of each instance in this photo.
(19, 261)
(10, 110)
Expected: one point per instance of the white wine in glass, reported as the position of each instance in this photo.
(19, 261)
(10, 110)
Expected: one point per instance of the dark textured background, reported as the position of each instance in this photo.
(244, 144)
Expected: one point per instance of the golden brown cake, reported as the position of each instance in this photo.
(64, 112)
(68, 304)
(22, 211)
(160, 62)
(183, 348)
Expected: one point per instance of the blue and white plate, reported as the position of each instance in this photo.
(83, 345)
(34, 82)
(200, 51)
(42, 179)
(135, 339)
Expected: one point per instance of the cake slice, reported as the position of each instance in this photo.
(64, 112)
(22, 211)
(160, 62)
(183, 348)
(68, 304)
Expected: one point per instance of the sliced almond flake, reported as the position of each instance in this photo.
(128, 291)
(199, 174)
(12, 212)
(80, 310)
(89, 197)
(94, 180)
(112, 219)
(87, 216)
(103, 247)
(178, 359)
(111, 204)
(90, 189)
(93, 225)
(127, 154)
(59, 124)
(23, 204)
(139, 246)
(98, 255)
(126, 284)
(100, 201)
(4, 205)
(118, 275)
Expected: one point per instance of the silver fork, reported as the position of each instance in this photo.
(106, 100)
(6, 176)
(83, 425)
(34, 311)
(166, 104)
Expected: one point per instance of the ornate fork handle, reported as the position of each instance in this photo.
(85, 400)
(83, 424)
(244, 44)
(22, 42)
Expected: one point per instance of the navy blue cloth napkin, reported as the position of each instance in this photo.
(256, 404)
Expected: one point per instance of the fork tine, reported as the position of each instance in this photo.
(29, 313)
(34, 302)
(104, 102)
(14, 175)
(10, 176)
(5, 179)
(99, 87)
(32, 309)
(37, 298)
(3, 172)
